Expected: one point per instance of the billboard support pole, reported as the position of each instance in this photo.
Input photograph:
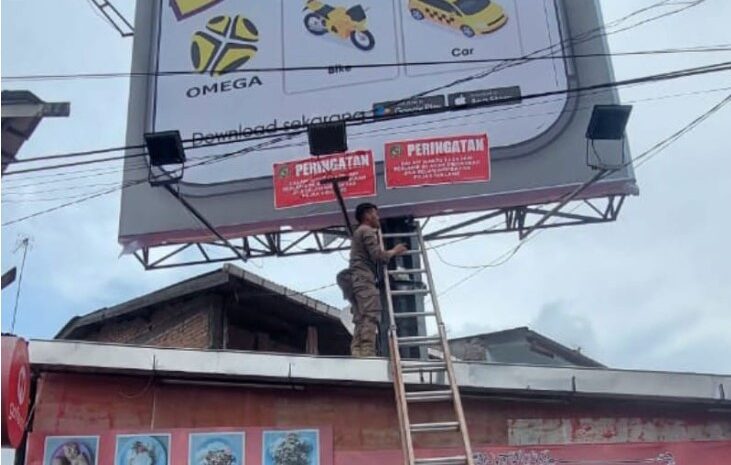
(204, 221)
(409, 303)
(571, 196)
(336, 188)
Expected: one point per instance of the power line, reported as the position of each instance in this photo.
(688, 72)
(59, 178)
(580, 38)
(25, 243)
(585, 37)
(285, 69)
(134, 183)
(648, 154)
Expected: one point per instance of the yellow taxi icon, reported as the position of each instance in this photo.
(472, 17)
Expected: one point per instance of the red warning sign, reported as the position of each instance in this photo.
(298, 182)
(444, 160)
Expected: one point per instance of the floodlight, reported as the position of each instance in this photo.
(165, 149)
(608, 122)
(327, 138)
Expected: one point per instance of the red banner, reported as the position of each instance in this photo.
(445, 160)
(298, 182)
(15, 389)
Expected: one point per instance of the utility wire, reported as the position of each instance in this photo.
(64, 177)
(25, 243)
(134, 183)
(688, 72)
(583, 37)
(453, 83)
(648, 154)
(110, 75)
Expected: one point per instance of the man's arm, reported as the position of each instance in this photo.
(377, 254)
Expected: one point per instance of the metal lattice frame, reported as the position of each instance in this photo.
(522, 220)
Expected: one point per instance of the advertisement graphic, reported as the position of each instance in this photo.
(301, 447)
(471, 17)
(186, 8)
(71, 450)
(216, 449)
(338, 60)
(446, 160)
(350, 23)
(225, 46)
(299, 182)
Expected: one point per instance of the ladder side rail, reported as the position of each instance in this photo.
(400, 388)
(456, 398)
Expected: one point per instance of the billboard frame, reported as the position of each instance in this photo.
(521, 220)
(524, 210)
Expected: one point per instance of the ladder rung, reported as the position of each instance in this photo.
(455, 460)
(412, 252)
(410, 292)
(402, 234)
(409, 271)
(428, 396)
(418, 340)
(434, 427)
(425, 366)
(413, 314)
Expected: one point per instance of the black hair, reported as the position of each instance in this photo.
(362, 209)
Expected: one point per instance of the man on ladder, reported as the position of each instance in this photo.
(360, 281)
(367, 257)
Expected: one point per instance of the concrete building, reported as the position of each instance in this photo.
(527, 414)
(229, 365)
(518, 345)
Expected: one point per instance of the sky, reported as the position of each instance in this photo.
(649, 291)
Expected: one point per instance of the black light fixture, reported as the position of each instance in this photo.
(607, 123)
(327, 138)
(166, 153)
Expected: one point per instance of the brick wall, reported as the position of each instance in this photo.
(186, 324)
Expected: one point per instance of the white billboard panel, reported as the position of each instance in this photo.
(227, 70)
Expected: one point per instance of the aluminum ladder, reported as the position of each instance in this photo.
(406, 397)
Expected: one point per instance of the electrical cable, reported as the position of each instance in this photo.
(587, 35)
(718, 67)
(648, 154)
(25, 244)
(59, 178)
(73, 76)
(133, 183)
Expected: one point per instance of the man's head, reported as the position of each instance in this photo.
(367, 213)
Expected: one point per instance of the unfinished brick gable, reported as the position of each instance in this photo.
(182, 325)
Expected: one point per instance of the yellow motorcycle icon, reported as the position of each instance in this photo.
(345, 23)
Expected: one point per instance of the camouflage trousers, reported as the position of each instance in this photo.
(366, 318)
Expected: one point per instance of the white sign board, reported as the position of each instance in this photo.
(228, 70)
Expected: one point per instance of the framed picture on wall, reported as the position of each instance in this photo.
(291, 447)
(142, 449)
(223, 448)
(71, 450)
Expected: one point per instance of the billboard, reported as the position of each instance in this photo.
(231, 75)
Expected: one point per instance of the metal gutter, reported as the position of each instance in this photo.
(487, 378)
